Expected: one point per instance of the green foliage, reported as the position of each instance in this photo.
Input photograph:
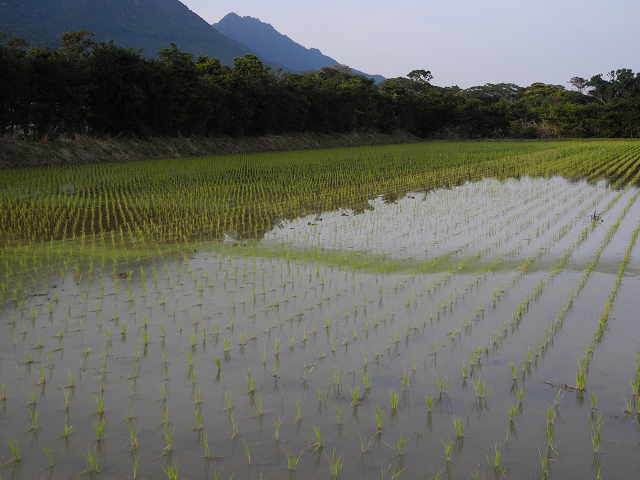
(97, 88)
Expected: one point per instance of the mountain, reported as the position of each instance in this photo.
(151, 24)
(272, 45)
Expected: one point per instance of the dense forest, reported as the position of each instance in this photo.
(100, 89)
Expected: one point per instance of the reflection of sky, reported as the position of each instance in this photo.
(421, 226)
(462, 42)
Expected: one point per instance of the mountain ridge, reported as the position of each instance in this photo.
(153, 25)
(149, 24)
(264, 39)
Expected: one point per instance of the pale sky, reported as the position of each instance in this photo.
(462, 42)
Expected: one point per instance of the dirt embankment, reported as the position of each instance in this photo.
(82, 150)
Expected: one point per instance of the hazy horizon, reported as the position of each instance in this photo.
(465, 44)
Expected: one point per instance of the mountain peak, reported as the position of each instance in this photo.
(151, 24)
(264, 39)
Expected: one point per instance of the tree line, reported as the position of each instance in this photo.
(101, 89)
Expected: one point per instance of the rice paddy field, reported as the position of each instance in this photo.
(441, 310)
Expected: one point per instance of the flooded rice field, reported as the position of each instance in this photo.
(488, 329)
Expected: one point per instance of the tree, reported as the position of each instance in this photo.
(16, 91)
(249, 66)
(622, 83)
(578, 83)
(77, 42)
(117, 98)
(490, 92)
(420, 76)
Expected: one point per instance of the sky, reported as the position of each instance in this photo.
(462, 42)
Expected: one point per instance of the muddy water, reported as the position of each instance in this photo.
(411, 290)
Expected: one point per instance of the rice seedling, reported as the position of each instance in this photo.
(199, 420)
(364, 448)
(292, 460)
(247, 449)
(338, 415)
(377, 414)
(479, 388)
(218, 475)
(366, 380)
(298, 418)
(494, 453)
(134, 465)
(404, 379)
(443, 386)
(277, 422)
(133, 435)
(169, 441)
(335, 464)
(399, 446)
(98, 428)
(67, 428)
(394, 399)
(513, 410)
(581, 380)
(172, 470)
(458, 426)
(260, 411)
(429, 399)
(252, 386)
(47, 452)
(447, 450)
(99, 402)
(355, 397)
(595, 433)
(318, 440)
(15, 450)
(91, 462)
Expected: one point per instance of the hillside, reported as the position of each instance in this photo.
(270, 44)
(151, 24)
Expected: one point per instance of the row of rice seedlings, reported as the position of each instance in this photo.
(603, 320)
(523, 306)
(495, 264)
(554, 327)
(524, 266)
(129, 212)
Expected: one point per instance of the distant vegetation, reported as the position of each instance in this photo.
(101, 89)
